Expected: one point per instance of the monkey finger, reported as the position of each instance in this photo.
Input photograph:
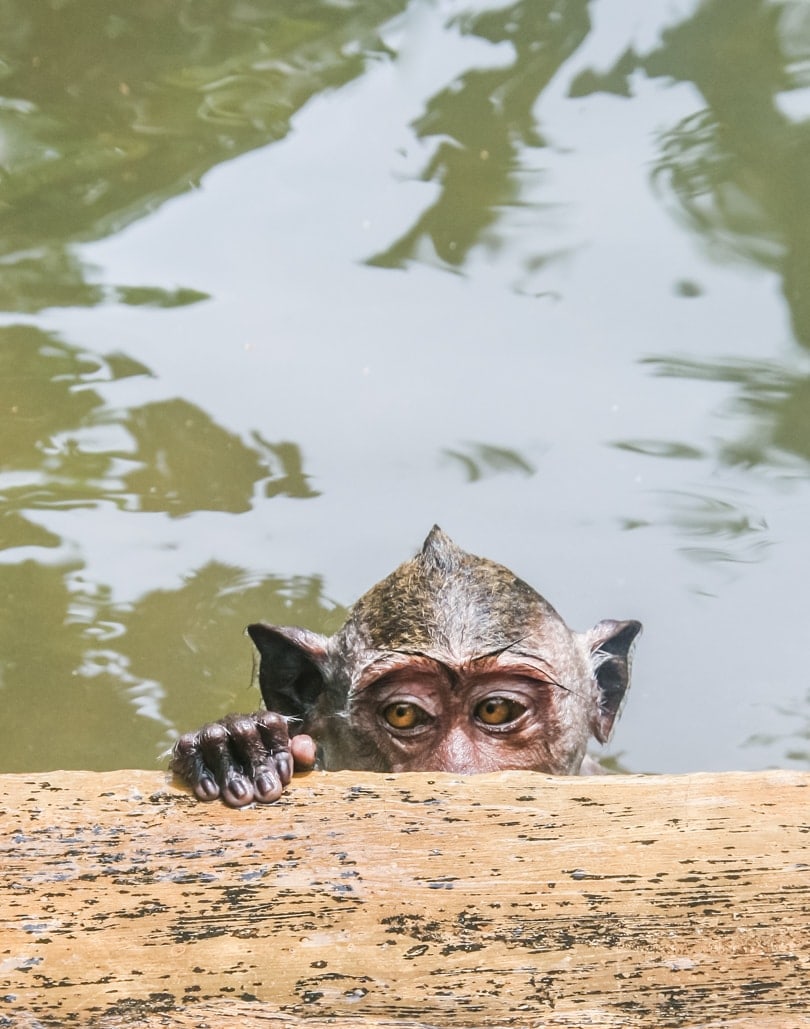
(220, 748)
(259, 743)
(187, 763)
(275, 736)
(304, 752)
(273, 729)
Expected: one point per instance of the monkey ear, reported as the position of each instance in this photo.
(611, 645)
(289, 667)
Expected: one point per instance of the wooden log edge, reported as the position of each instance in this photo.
(415, 901)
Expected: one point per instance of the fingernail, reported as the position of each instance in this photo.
(266, 786)
(206, 788)
(238, 787)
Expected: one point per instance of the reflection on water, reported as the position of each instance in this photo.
(184, 462)
(84, 678)
(713, 528)
(483, 123)
(111, 108)
(775, 401)
(38, 376)
(618, 394)
(165, 456)
(795, 744)
(740, 169)
(287, 477)
(482, 459)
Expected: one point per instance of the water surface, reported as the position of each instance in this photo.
(285, 283)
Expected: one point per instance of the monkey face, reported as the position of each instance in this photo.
(441, 719)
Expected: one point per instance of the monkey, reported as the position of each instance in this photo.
(451, 663)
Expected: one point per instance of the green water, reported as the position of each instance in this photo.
(285, 283)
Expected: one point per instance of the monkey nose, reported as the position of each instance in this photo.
(456, 754)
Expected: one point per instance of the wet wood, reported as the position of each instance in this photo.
(411, 901)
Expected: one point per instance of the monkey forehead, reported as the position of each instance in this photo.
(466, 606)
(408, 668)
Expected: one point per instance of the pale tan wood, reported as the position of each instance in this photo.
(412, 901)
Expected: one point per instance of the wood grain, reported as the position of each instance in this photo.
(413, 901)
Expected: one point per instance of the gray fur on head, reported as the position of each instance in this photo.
(448, 609)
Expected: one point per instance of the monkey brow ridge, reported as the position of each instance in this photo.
(533, 658)
(488, 655)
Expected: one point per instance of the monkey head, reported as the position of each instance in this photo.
(451, 663)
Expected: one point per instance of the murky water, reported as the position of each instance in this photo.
(285, 283)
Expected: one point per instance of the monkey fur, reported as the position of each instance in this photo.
(451, 663)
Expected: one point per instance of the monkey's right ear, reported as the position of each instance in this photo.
(611, 644)
(288, 665)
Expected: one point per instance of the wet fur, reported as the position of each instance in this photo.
(449, 611)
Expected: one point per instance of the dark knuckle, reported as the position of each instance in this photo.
(272, 720)
(242, 725)
(213, 733)
(186, 745)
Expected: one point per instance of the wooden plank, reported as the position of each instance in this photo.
(359, 900)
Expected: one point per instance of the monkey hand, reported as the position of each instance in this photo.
(242, 758)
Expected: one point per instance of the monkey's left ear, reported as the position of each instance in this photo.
(289, 667)
(612, 645)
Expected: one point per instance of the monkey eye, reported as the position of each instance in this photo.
(404, 715)
(498, 711)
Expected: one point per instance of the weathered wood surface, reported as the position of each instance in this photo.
(410, 901)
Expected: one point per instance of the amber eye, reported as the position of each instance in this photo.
(403, 715)
(498, 711)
